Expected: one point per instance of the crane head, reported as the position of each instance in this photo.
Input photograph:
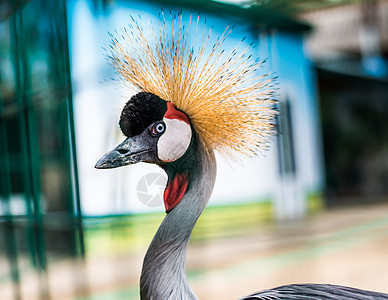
(155, 131)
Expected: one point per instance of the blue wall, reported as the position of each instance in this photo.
(98, 101)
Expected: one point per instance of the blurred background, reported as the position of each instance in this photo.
(314, 208)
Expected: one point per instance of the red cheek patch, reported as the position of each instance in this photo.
(173, 113)
(174, 191)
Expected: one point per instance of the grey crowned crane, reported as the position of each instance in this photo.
(191, 102)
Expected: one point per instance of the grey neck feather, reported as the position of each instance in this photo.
(164, 274)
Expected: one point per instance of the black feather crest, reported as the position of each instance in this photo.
(140, 111)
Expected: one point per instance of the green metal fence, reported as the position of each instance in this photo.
(40, 219)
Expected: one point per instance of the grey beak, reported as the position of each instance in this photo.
(131, 151)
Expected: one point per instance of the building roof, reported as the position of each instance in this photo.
(259, 16)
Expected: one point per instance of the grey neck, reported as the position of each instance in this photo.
(163, 275)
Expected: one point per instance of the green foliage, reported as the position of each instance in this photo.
(118, 235)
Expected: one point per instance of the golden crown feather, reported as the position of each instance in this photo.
(230, 106)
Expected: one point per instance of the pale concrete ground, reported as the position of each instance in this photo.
(344, 246)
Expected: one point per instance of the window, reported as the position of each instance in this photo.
(285, 140)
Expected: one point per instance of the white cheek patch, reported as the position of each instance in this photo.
(175, 140)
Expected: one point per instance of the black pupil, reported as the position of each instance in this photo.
(159, 128)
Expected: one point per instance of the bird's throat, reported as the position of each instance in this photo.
(175, 190)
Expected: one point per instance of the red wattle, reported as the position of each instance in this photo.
(174, 191)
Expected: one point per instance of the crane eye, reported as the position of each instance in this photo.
(158, 128)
